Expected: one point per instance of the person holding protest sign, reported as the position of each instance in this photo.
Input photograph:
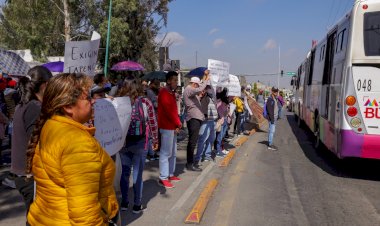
(133, 155)
(32, 89)
(73, 173)
(194, 116)
(170, 125)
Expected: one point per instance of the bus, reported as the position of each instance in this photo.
(337, 86)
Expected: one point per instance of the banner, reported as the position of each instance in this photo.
(82, 56)
(112, 118)
(219, 71)
(234, 88)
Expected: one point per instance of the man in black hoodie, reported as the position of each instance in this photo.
(272, 106)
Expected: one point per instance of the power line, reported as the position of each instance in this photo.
(337, 11)
(331, 9)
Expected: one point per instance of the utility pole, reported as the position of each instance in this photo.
(108, 39)
(279, 67)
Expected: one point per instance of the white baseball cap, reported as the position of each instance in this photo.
(195, 80)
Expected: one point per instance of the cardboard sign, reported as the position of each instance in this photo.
(112, 118)
(82, 56)
(219, 71)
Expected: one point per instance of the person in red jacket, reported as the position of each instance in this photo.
(169, 125)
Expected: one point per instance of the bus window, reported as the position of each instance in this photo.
(372, 33)
(342, 39)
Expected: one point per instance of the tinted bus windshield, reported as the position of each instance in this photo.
(372, 33)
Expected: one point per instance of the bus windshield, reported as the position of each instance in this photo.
(372, 33)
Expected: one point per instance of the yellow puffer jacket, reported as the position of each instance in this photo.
(74, 177)
(239, 105)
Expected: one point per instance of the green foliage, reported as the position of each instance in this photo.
(255, 90)
(31, 24)
(134, 25)
(39, 25)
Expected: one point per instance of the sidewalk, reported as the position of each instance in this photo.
(164, 206)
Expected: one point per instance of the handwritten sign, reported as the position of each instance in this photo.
(219, 71)
(82, 56)
(112, 118)
(234, 88)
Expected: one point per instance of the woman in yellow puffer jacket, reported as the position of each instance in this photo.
(73, 173)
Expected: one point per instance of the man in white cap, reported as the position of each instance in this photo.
(194, 115)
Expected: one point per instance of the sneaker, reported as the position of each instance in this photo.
(207, 159)
(272, 147)
(221, 155)
(165, 183)
(225, 152)
(138, 209)
(9, 183)
(174, 179)
(124, 206)
(156, 156)
(193, 167)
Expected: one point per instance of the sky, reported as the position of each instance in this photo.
(248, 33)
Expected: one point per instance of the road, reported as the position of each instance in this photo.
(296, 185)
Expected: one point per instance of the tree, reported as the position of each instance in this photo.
(134, 26)
(44, 26)
(30, 25)
(255, 91)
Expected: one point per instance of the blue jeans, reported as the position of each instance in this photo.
(272, 129)
(132, 156)
(220, 137)
(168, 153)
(150, 147)
(206, 139)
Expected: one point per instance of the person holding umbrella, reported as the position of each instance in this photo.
(194, 115)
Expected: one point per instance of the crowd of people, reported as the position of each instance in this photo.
(63, 173)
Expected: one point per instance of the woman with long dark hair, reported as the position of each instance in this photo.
(73, 173)
(31, 88)
(133, 155)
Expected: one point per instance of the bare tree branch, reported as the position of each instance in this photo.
(59, 8)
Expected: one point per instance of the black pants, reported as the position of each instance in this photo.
(193, 125)
(26, 188)
(237, 126)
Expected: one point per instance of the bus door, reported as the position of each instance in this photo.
(327, 105)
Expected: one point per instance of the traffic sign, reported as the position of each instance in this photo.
(290, 73)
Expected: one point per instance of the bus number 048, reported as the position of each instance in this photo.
(364, 86)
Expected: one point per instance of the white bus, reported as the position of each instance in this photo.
(338, 85)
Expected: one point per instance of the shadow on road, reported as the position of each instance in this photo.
(365, 169)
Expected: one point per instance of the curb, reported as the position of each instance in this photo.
(196, 213)
(241, 141)
(226, 160)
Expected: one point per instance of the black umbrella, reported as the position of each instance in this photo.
(160, 75)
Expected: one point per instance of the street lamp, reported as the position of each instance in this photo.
(108, 39)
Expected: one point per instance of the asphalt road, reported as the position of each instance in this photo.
(296, 185)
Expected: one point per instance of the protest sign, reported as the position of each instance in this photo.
(112, 118)
(219, 71)
(82, 56)
(234, 88)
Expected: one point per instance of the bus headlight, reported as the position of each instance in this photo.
(356, 122)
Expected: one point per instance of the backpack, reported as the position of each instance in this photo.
(265, 112)
(137, 126)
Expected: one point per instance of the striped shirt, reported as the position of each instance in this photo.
(152, 120)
